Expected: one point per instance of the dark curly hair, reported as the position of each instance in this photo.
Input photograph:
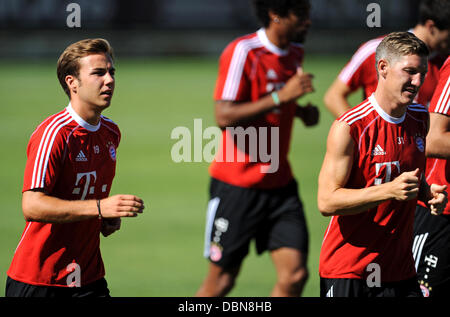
(436, 10)
(281, 7)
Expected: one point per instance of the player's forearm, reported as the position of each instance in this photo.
(438, 146)
(39, 207)
(337, 104)
(232, 114)
(335, 98)
(346, 201)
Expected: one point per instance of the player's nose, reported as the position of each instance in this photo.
(416, 79)
(109, 79)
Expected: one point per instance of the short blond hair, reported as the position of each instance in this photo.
(68, 62)
(398, 44)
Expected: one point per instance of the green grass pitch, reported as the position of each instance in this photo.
(160, 252)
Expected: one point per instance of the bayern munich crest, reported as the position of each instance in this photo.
(112, 151)
(215, 252)
(420, 143)
(425, 291)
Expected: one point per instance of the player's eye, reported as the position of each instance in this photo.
(411, 71)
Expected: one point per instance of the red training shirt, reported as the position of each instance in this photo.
(384, 147)
(70, 159)
(249, 68)
(438, 170)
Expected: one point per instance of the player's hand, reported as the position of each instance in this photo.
(110, 225)
(297, 86)
(439, 200)
(406, 186)
(309, 114)
(121, 206)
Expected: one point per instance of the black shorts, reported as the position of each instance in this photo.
(237, 215)
(18, 289)
(347, 287)
(431, 251)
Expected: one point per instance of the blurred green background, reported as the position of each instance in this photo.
(159, 253)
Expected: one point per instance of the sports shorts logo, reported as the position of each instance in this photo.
(425, 291)
(215, 252)
(378, 150)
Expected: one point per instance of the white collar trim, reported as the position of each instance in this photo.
(269, 45)
(81, 121)
(383, 114)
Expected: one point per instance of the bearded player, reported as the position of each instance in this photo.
(259, 81)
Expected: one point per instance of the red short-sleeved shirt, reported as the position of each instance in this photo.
(385, 147)
(249, 68)
(438, 170)
(70, 159)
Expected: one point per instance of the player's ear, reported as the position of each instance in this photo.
(382, 67)
(72, 83)
(430, 25)
(274, 17)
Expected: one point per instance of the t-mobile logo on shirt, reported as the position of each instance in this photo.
(86, 187)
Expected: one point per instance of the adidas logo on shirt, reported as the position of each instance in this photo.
(378, 150)
(81, 157)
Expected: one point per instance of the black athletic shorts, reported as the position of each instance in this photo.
(18, 289)
(431, 251)
(347, 287)
(237, 215)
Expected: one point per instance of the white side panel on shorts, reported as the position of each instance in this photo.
(210, 215)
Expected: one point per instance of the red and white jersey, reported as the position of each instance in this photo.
(384, 148)
(70, 159)
(360, 72)
(438, 170)
(249, 68)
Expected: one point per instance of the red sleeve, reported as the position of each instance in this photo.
(360, 70)
(440, 103)
(233, 80)
(44, 158)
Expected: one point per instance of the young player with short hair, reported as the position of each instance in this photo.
(68, 176)
(371, 178)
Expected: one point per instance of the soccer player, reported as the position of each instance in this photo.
(71, 161)
(433, 28)
(431, 246)
(371, 178)
(259, 80)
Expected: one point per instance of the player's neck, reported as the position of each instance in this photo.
(276, 38)
(389, 104)
(87, 113)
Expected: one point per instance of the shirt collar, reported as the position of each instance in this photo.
(269, 45)
(81, 121)
(383, 114)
